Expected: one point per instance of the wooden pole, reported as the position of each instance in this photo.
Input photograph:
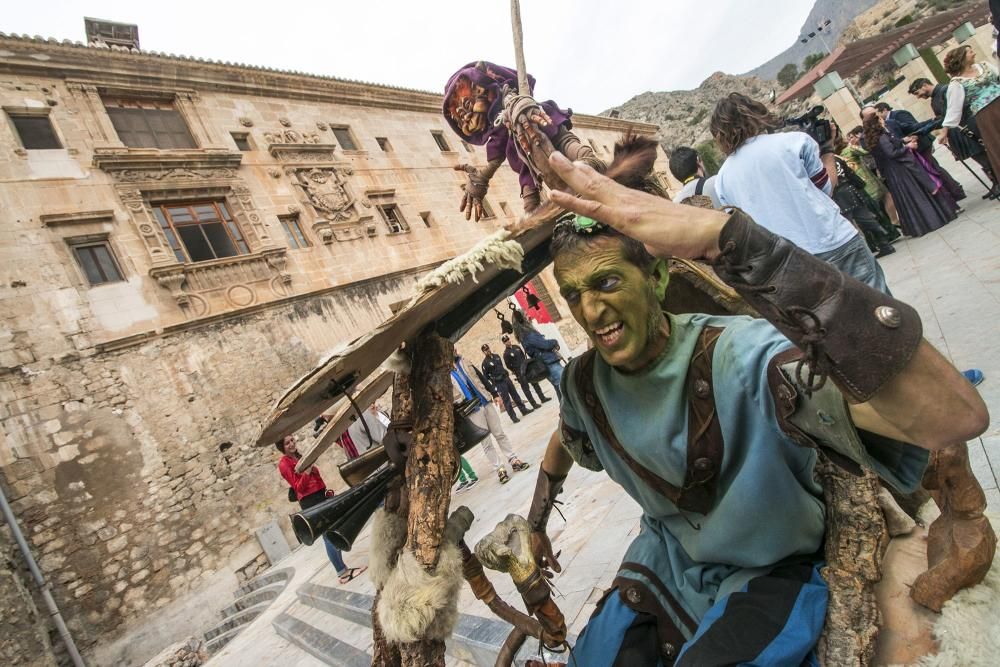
(522, 73)
(430, 469)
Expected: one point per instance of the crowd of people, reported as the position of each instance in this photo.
(882, 175)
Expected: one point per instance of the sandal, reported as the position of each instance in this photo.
(352, 572)
(502, 474)
(518, 465)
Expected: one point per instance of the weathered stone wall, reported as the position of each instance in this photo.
(24, 639)
(127, 408)
(133, 470)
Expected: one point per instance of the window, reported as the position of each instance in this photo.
(505, 208)
(592, 144)
(98, 262)
(426, 217)
(393, 218)
(468, 148)
(487, 210)
(35, 131)
(606, 149)
(201, 231)
(296, 239)
(344, 137)
(441, 142)
(149, 124)
(384, 144)
(242, 140)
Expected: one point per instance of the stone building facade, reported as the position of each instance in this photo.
(179, 241)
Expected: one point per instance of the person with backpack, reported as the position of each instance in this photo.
(687, 167)
(710, 423)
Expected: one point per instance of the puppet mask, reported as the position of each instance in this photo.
(469, 105)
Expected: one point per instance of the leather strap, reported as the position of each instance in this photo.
(705, 443)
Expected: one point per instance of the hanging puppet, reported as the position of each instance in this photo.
(482, 106)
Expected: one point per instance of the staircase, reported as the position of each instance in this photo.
(334, 626)
(251, 599)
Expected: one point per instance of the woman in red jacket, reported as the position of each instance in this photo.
(310, 490)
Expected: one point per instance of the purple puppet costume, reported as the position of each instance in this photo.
(474, 106)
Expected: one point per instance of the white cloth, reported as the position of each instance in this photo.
(955, 101)
(689, 190)
(360, 437)
(488, 417)
(770, 178)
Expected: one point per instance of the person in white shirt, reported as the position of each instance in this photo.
(781, 181)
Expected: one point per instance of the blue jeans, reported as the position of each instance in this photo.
(555, 377)
(333, 553)
(856, 260)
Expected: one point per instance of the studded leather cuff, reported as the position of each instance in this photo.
(546, 489)
(856, 335)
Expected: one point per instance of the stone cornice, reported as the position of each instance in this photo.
(110, 68)
(77, 218)
(150, 159)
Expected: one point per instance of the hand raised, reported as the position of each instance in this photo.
(667, 229)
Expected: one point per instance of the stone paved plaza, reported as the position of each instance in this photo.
(952, 277)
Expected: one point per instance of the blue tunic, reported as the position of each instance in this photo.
(768, 505)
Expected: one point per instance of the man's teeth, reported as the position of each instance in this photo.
(608, 329)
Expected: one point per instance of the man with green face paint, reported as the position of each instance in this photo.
(709, 423)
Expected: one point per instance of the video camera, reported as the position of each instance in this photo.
(811, 123)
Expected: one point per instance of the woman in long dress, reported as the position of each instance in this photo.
(978, 85)
(859, 160)
(923, 204)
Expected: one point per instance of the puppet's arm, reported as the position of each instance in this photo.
(477, 184)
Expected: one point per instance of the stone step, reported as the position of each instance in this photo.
(282, 575)
(262, 594)
(476, 639)
(318, 643)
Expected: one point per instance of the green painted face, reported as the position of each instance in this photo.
(615, 302)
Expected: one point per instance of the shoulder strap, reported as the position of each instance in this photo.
(705, 444)
(700, 186)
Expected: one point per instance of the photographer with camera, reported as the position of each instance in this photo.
(782, 181)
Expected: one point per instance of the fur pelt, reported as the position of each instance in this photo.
(398, 362)
(966, 632)
(416, 604)
(496, 249)
(388, 537)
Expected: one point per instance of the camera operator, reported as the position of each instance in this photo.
(782, 182)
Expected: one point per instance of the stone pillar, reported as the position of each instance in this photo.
(840, 104)
(911, 66)
(980, 40)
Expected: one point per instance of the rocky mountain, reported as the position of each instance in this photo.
(840, 13)
(683, 115)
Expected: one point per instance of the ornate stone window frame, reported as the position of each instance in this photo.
(147, 178)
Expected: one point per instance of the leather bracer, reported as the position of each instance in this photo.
(546, 489)
(855, 334)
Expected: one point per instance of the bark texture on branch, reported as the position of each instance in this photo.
(430, 468)
(856, 540)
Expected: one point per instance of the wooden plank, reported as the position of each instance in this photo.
(452, 309)
(342, 419)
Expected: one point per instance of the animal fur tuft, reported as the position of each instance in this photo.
(388, 537)
(416, 604)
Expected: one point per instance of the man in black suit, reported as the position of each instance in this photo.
(499, 378)
(517, 361)
(901, 124)
(962, 141)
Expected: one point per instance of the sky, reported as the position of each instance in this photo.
(588, 55)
